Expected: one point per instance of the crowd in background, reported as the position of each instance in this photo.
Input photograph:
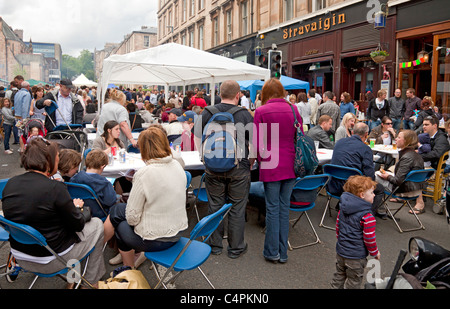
(334, 122)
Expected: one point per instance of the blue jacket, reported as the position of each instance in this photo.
(346, 108)
(22, 103)
(351, 152)
(350, 242)
(102, 187)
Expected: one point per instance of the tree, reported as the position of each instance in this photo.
(72, 67)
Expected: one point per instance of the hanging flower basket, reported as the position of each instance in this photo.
(378, 55)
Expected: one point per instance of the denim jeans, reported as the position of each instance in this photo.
(7, 129)
(396, 123)
(374, 124)
(278, 198)
(229, 187)
(408, 125)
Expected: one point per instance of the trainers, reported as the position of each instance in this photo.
(8, 152)
(12, 269)
(139, 260)
(116, 260)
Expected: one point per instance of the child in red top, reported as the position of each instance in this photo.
(355, 231)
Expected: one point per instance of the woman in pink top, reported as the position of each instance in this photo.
(273, 140)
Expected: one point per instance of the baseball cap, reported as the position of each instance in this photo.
(175, 111)
(67, 83)
(188, 116)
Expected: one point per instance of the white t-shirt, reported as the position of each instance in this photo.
(113, 111)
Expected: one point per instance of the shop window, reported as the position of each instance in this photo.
(369, 82)
(443, 76)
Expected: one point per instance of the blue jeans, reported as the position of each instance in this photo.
(7, 129)
(278, 198)
(396, 123)
(408, 125)
(374, 124)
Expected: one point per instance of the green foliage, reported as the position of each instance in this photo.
(73, 67)
(379, 53)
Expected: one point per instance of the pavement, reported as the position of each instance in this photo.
(309, 268)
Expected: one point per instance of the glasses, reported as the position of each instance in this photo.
(388, 123)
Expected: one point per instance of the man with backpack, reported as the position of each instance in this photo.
(225, 154)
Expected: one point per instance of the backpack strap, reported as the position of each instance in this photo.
(212, 109)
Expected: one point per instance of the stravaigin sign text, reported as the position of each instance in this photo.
(322, 24)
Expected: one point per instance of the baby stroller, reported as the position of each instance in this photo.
(70, 136)
(29, 125)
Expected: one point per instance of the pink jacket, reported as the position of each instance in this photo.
(274, 138)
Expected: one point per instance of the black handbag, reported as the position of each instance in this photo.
(87, 214)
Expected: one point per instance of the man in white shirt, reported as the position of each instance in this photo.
(244, 101)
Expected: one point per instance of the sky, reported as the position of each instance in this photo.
(78, 24)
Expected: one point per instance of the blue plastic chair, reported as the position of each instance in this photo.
(188, 253)
(417, 176)
(200, 195)
(2, 186)
(312, 184)
(189, 179)
(27, 235)
(85, 192)
(132, 149)
(4, 237)
(337, 172)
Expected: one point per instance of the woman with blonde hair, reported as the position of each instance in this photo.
(155, 214)
(346, 127)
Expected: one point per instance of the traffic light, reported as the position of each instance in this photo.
(275, 60)
(263, 60)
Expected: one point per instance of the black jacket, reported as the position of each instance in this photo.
(373, 113)
(77, 110)
(439, 146)
(422, 115)
(45, 205)
(409, 160)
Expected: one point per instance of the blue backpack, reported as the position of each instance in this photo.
(219, 141)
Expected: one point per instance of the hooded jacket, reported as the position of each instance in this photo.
(351, 242)
(102, 187)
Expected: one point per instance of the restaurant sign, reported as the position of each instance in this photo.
(324, 24)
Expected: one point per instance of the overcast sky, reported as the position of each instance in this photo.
(78, 24)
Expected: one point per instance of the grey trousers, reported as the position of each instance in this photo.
(230, 187)
(349, 273)
(90, 236)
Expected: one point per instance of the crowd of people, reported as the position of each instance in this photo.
(140, 219)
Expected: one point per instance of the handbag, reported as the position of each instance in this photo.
(87, 214)
(306, 161)
(125, 280)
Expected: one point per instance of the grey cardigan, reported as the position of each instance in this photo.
(8, 117)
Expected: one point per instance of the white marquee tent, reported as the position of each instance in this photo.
(176, 65)
(82, 80)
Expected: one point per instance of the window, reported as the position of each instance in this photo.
(146, 41)
(229, 26)
(191, 38)
(176, 16)
(201, 4)
(200, 37)
(183, 39)
(288, 9)
(192, 8)
(318, 5)
(215, 31)
(244, 17)
(184, 14)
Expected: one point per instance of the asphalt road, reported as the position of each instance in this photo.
(307, 268)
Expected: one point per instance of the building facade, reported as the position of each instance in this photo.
(137, 40)
(325, 42)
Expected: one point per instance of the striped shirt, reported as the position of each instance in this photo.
(368, 223)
